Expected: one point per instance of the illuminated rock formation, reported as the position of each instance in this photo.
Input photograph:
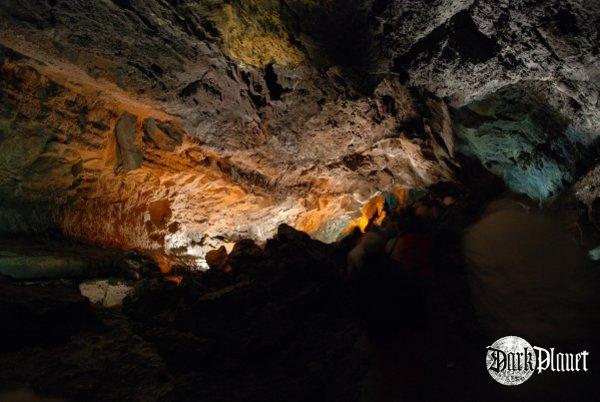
(179, 127)
(108, 166)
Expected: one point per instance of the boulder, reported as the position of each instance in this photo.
(135, 266)
(245, 248)
(288, 233)
(218, 259)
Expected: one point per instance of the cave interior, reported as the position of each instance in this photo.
(299, 200)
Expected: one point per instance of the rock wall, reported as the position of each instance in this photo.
(465, 50)
(180, 126)
(111, 139)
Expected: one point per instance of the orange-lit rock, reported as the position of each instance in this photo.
(179, 154)
(92, 167)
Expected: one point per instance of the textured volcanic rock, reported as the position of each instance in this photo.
(587, 191)
(464, 50)
(128, 157)
(469, 51)
(161, 141)
(179, 126)
(521, 138)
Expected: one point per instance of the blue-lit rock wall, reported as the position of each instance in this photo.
(529, 145)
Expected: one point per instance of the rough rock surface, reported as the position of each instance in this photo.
(465, 50)
(178, 127)
(519, 137)
(587, 191)
(178, 147)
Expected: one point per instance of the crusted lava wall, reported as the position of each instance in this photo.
(111, 139)
(179, 126)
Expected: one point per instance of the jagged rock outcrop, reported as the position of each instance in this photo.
(119, 142)
(178, 127)
(465, 50)
(532, 146)
(587, 191)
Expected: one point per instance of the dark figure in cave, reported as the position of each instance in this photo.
(391, 304)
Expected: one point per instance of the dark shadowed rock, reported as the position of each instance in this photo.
(218, 259)
(36, 315)
(287, 233)
(135, 266)
(244, 249)
(280, 318)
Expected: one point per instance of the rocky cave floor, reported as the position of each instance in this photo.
(279, 322)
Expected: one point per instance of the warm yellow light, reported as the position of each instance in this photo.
(374, 210)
